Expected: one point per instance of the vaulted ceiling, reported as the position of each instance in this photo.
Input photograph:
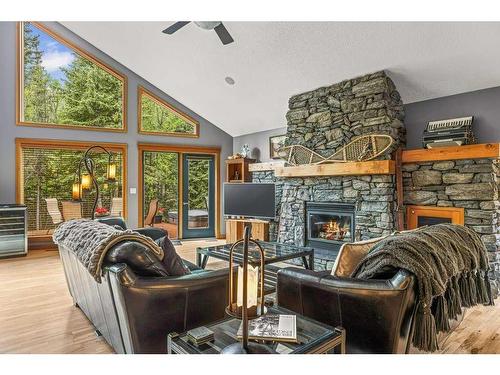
(270, 61)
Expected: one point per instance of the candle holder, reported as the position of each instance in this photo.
(240, 308)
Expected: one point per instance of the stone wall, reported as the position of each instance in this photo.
(324, 120)
(471, 184)
(327, 118)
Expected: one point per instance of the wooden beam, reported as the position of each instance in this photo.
(267, 166)
(481, 151)
(374, 167)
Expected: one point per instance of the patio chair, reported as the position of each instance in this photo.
(71, 210)
(153, 209)
(116, 207)
(53, 210)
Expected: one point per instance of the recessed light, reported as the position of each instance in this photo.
(229, 80)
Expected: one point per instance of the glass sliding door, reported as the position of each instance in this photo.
(161, 190)
(198, 219)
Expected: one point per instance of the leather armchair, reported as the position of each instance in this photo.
(376, 314)
(133, 310)
(152, 232)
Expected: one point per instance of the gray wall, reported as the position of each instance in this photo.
(210, 135)
(484, 105)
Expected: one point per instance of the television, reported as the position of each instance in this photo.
(250, 200)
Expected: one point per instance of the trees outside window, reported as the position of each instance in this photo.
(63, 86)
(159, 117)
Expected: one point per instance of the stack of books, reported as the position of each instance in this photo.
(200, 336)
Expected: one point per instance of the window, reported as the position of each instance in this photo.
(47, 169)
(59, 85)
(158, 117)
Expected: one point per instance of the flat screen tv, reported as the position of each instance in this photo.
(250, 200)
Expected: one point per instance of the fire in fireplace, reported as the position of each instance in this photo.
(329, 225)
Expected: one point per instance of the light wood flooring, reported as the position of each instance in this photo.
(37, 314)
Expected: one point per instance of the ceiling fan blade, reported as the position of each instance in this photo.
(223, 34)
(176, 26)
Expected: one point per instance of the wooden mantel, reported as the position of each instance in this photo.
(374, 167)
(480, 151)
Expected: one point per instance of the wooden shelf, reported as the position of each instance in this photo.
(267, 166)
(375, 167)
(481, 151)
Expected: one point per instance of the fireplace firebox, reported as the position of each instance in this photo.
(329, 225)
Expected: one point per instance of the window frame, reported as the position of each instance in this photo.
(65, 145)
(141, 91)
(20, 121)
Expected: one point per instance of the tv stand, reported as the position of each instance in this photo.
(235, 227)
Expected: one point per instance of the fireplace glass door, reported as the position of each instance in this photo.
(330, 227)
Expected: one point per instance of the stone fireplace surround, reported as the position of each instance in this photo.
(326, 119)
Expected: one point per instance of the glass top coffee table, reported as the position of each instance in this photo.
(312, 336)
(273, 253)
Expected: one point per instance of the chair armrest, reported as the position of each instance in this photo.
(152, 232)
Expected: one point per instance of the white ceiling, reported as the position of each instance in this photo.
(270, 61)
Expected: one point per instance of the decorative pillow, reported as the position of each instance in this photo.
(172, 262)
(350, 255)
(138, 257)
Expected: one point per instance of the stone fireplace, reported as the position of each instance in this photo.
(324, 120)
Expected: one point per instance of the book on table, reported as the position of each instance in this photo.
(272, 327)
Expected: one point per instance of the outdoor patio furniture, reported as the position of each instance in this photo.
(153, 209)
(71, 210)
(116, 207)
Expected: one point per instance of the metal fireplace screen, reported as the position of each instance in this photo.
(330, 223)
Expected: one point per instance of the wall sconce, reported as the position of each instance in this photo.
(247, 304)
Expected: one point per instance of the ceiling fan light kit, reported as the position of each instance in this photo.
(217, 26)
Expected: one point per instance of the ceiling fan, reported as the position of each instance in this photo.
(219, 28)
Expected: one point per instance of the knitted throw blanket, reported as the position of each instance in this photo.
(451, 267)
(90, 240)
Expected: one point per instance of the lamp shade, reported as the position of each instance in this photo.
(252, 287)
(76, 192)
(86, 181)
(111, 171)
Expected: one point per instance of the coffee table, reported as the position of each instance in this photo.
(313, 337)
(273, 253)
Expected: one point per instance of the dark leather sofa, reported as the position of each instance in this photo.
(376, 314)
(135, 312)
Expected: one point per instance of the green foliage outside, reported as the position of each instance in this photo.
(161, 181)
(50, 173)
(160, 119)
(87, 95)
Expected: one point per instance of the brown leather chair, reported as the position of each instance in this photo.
(376, 314)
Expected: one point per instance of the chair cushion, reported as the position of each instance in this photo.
(138, 257)
(172, 262)
(350, 255)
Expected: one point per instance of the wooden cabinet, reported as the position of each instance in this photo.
(234, 229)
(237, 170)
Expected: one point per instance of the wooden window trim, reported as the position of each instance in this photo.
(154, 147)
(141, 91)
(72, 145)
(456, 214)
(20, 79)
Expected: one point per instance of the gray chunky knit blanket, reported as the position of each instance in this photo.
(451, 268)
(90, 240)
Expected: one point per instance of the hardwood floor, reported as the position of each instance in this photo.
(37, 314)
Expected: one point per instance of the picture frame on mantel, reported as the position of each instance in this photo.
(275, 142)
